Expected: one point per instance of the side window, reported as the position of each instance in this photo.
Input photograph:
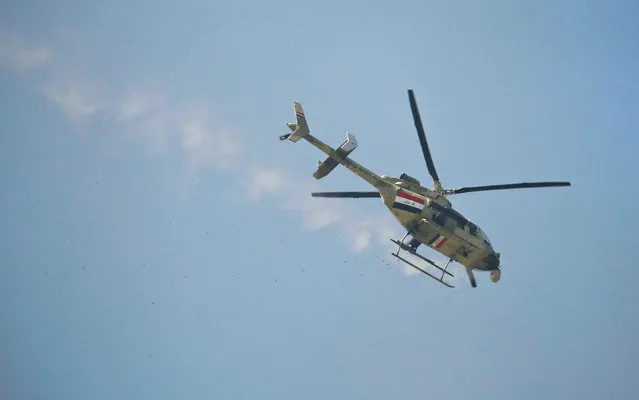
(439, 218)
(472, 228)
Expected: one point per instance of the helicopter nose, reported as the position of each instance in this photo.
(492, 260)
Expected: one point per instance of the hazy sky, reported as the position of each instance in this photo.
(158, 241)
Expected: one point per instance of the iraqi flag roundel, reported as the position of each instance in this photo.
(408, 202)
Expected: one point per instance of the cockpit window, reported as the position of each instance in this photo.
(477, 232)
(452, 214)
(472, 228)
(483, 236)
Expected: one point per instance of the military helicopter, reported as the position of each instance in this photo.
(426, 213)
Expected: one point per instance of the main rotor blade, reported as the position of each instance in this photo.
(523, 185)
(422, 136)
(346, 194)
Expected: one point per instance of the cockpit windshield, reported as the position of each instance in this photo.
(477, 232)
(482, 236)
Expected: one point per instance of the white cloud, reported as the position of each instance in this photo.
(372, 230)
(264, 181)
(150, 119)
(17, 54)
(360, 230)
(317, 214)
(147, 116)
(77, 101)
(362, 241)
(206, 145)
(137, 104)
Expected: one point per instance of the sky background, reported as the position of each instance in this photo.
(159, 241)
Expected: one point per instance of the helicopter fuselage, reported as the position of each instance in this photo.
(430, 219)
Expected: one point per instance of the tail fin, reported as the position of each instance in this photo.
(300, 129)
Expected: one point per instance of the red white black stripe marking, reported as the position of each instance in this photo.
(408, 202)
(438, 241)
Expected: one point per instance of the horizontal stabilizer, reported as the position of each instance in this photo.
(325, 167)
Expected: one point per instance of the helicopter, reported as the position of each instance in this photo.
(425, 213)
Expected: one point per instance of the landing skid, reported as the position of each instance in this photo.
(409, 249)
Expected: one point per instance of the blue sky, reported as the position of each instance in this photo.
(158, 241)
